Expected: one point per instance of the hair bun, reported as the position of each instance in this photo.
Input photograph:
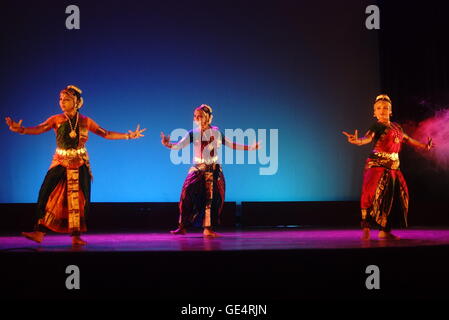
(205, 106)
(75, 88)
(383, 97)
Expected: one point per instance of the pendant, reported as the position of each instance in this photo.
(396, 140)
(72, 134)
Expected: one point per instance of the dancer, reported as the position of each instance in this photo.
(64, 196)
(203, 192)
(382, 179)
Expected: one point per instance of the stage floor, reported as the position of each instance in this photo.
(266, 239)
(257, 265)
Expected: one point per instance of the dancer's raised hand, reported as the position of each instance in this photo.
(255, 145)
(14, 126)
(352, 138)
(165, 140)
(430, 144)
(136, 134)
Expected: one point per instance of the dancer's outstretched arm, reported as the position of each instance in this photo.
(420, 145)
(354, 139)
(111, 135)
(184, 142)
(236, 146)
(17, 127)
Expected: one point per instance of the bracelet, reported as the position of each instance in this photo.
(127, 136)
(22, 130)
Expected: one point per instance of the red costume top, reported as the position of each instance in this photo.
(387, 145)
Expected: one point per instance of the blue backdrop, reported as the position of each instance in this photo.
(309, 69)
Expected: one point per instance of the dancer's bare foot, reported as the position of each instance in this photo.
(77, 241)
(208, 233)
(36, 236)
(387, 236)
(179, 231)
(365, 234)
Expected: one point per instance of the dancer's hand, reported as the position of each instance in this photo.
(430, 144)
(352, 138)
(165, 140)
(14, 126)
(136, 134)
(255, 146)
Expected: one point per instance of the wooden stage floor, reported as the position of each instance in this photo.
(257, 265)
(265, 239)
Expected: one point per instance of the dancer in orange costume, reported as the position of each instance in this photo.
(64, 196)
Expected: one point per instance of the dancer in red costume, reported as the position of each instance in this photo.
(382, 179)
(64, 196)
(203, 192)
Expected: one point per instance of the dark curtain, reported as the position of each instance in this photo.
(414, 68)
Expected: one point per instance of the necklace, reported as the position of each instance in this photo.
(72, 133)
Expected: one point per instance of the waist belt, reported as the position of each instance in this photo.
(71, 152)
(386, 155)
(206, 161)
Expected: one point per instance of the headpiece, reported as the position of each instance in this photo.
(75, 92)
(207, 110)
(383, 97)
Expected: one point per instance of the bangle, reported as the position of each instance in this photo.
(127, 136)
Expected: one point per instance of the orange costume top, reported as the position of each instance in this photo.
(71, 152)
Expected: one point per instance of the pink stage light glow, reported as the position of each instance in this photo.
(437, 128)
